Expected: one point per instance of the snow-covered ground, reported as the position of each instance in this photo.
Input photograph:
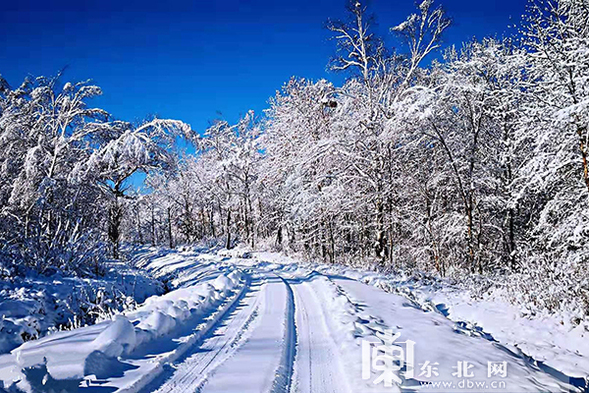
(32, 306)
(551, 341)
(262, 322)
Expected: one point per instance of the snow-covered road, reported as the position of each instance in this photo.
(248, 325)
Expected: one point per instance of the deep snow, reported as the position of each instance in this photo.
(262, 322)
(35, 305)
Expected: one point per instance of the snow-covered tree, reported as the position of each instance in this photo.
(62, 162)
(130, 150)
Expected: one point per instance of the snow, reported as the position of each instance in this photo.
(36, 305)
(438, 340)
(69, 354)
(548, 338)
(118, 338)
(263, 349)
(265, 322)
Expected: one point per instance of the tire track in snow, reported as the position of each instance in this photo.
(284, 372)
(191, 371)
(161, 365)
(317, 366)
(264, 363)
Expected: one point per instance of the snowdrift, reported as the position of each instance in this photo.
(72, 355)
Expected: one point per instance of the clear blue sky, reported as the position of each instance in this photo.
(189, 60)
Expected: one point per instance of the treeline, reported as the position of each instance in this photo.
(473, 164)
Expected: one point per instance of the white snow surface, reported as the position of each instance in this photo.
(32, 306)
(261, 322)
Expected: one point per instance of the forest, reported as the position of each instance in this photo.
(466, 162)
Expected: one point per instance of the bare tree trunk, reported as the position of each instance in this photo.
(228, 224)
(212, 222)
(511, 242)
(153, 240)
(114, 226)
(139, 231)
(381, 240)
(170, 238)
(332, 242)
(466, 198)
(279, 237)
(469, 222)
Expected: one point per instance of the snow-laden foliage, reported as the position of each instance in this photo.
(213, 194)
(474, 165)
(35, 306)
(63, 170)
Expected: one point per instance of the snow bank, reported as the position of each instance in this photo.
(548, 338)
(33, 306)
(179, 269)
(118, 338)
(70, 354)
